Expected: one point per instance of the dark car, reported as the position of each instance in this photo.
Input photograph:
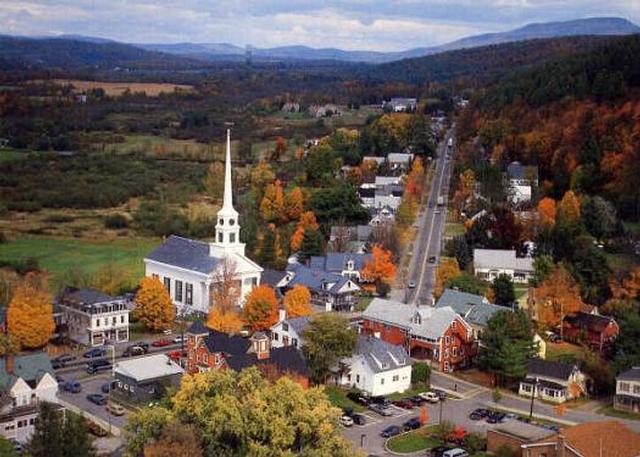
(358, 419)
(72, 386)
(144, 345)
(438, 451)
(98, 365)
(95, 352)
(478, 414)
(358, 398)
(390, 431)
(495, 417)
(411, 424)
(440, 393)
(417, 401)
(98, 399)
(380, 400)
(108, 386)
(432, 259)
(56, 365)
(64, 358)
(132, 350)
(381, 409)
(405, 403)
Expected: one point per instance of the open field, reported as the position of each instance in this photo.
(115, 89)
(61, 255)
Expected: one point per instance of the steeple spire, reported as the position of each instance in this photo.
(227, 202)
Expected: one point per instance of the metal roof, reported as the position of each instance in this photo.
(30, 367)
(501, 259)
(475, 309)
(150, 367)
(185, 253)
(380, 355)
(632, 374)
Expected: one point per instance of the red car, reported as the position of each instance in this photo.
(161, 343)
(176, 355)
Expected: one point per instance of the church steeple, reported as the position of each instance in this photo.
(227, 227)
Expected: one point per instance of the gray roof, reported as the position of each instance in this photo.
(337, 261)
(272, 277)
(516, 170)
(524, 431)
(314, 279)
(423, 321)
(149, 367)
(632, 374)
(380, 355)
(475, 309)
(556, 370)
(185, 253)
(30, 367)
(399, 157)
(298, 323)
(87, 296)
(501, 259)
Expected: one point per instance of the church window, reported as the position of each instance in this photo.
(221, 221)
(189, 294)
(220, 237)
(232, 222)
(232, 237)
(167, 284)
(178, 296)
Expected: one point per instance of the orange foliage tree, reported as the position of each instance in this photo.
(307, 222)
(225, 296)
(294, 203)
(466, 185)
(272, 204)
(30, 314)
(380, 268)
(415, 180)
(281, 147)
(176, 439)
(446, 271)
(547, 212)
(154, 308)
(558, 296)
(569, 207)
(297, 301)
(261, 308)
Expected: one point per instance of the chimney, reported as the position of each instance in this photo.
(10, 362)
(282, 314)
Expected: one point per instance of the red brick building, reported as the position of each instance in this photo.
(436, 334)
(598, 331)
(208, 349)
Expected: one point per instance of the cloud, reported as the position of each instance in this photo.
(355, 24)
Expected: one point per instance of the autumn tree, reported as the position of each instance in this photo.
(446, 271)
(154, 308)
(214, 180)
(272, 205)
(261, 308)
(465, 190)
(30, 314)
(177, 439)
(261, 175)
(307, 222)
(294, 203)
(297, 301)
(569, 208)
(547, 212)
(112, 279)
(225, 296)
(379, 268)
(280, 148)
(557, 296)
(8, 345)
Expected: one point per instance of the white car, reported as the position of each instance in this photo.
(347, 421)
(431, 397)
(179, 339)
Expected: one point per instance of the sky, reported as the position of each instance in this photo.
(381, 25)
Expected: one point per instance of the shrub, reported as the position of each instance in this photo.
(59, 218)
(420, 373)
(24, 206)
(116, 221)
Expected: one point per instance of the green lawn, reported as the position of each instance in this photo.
(609, 411)
(563, 351)
(338, 397)
(452, 229)
(411, 392)
(363, 303)
(59, 255)
(414, 441)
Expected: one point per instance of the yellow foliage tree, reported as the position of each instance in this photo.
(307, 222)
(272, 205)
(225, 296)
(30, 314)
(261, 175)
(297, 301)
(569, 207)
(229, 322)
(295, 203)
(547, 212)
(112, 279)
(380, 268)
(214, 180)
(154, 308)
(261, 308)
(558, 296)
(466, 186)
(446, 271)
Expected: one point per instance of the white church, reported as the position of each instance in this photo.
(187, 268)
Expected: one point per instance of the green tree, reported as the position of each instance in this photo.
(338, 203)
(56, 435)
(496, 395)
(508, 345)
(311, 245)
(542, 266)
(420, 373)
(144, 426)
(599, 217)
(466, 282)
(6, 448)
(327, 339)
(322, 165)
(76, 440)
(503, 290)
(626, 349)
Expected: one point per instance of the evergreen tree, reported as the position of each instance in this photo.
(46, 439)
(311, 245)
(76, 440)
(508, 345)
(503, 290)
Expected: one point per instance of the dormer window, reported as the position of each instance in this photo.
(350, 265)
(232, 221)
(221, 221)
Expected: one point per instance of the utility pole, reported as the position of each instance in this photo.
(113, 375)
(533, 396)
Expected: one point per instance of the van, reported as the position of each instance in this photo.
(457, 452)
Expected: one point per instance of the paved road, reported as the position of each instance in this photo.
(431, 226)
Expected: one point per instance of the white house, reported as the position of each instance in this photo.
(488, 264)
(376, 367)
(188, 268)
(521, 180)
(627, 397)
(288, 331)
(555, 382)
(93, 318)
(25, 380)
(399, 104)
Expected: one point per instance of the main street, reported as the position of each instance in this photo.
(428, 243)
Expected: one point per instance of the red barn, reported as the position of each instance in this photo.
(209, 349)
(438, 334)
(598, 331)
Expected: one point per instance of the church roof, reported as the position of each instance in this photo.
(185, 253)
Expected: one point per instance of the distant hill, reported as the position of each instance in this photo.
(17, 53)
(221, 51)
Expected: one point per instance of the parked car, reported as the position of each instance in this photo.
(56, 365)
(107, 386)
(180, 339)
(115, 409)
(380, 399)
(478, 414)
(98, 399)
(358, 398)
(60, 380)
(176, 355)
(144, 345)
(72, 386)
(96, 430)
(98, 365)
(359, 419)
(405, 403)
(431, 397)
(417, 401)
(432, 259)
(438, 451)
(495, 417)
(17, 446)
(133, 350)
(161, 343)
(440, 393)
(95, 352)
(411, 424)
(380, 409)
(167, 331)
(64, 358)
(411, 285)
(346, 421)
(390, 431)
(456, 452)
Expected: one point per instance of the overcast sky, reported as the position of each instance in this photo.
(383, 25)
